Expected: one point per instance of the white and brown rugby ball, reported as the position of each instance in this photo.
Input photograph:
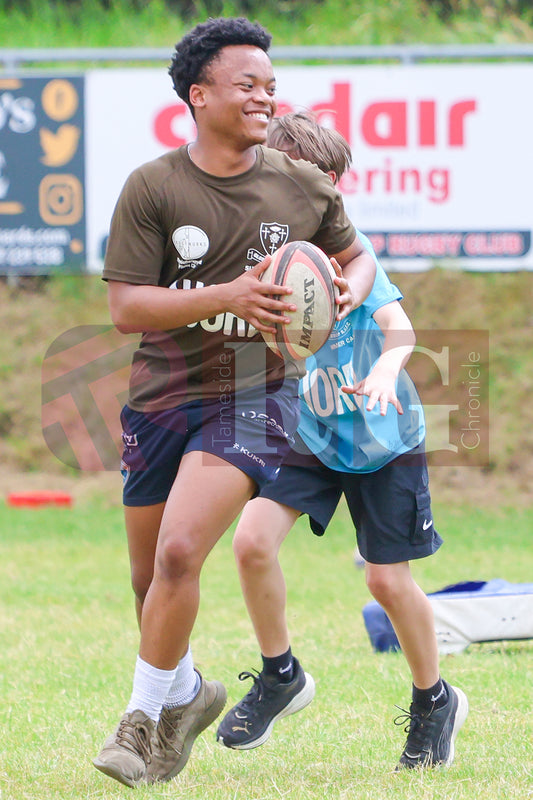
(308, 271)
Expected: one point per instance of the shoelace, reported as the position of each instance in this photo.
(256, 693)
(416, 730)
(166, 729)
(135, 737)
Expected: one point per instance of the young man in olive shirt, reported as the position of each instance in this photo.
(190, 237)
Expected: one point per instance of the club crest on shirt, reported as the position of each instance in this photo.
(191, 243)
(272, 235)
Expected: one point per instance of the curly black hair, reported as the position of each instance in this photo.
(200, 46)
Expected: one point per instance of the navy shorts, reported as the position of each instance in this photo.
(390, 508)
(251, 430)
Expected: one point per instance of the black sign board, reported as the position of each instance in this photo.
(42, 175)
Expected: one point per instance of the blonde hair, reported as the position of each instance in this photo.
(300, 136)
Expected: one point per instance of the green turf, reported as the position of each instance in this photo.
(68, 644)
(153, 23)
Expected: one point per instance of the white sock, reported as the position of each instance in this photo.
(186, 683)
(150, 687)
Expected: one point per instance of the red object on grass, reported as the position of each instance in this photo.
(39, 498)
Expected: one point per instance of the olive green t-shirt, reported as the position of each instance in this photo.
(177, 226)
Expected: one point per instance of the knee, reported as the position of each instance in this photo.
(251, 549)
(384, 584)
(178, 556)
(141, 578)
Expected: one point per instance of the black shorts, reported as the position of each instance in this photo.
(252, 430)
(390, 508)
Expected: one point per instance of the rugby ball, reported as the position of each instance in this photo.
(308, 271)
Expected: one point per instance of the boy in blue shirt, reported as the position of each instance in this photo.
(372, 451)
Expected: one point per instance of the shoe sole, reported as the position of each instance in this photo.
(204, 721)
(113, 772)
(461, 714)
(298, 702)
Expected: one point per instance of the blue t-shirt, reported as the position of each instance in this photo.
(336, 426)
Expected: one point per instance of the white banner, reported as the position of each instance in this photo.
(442, 154)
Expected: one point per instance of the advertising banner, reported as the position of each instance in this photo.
(441, 171)
(42, 175)
(442, 161)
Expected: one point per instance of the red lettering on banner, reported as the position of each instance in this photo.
(392, 117)
(494, 244)
(163, 124)
(379, 242)
(335, 113)
(385, 124)
(451, 244)
(389, 179)
(388, 123)
(426, 133)
(458, 112)
(432, 245)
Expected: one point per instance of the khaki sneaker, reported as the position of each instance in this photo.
(179, 726)
(127, 753)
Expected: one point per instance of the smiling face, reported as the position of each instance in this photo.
(236, 101)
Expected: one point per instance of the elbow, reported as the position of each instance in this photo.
(118, 318)
(123, 328)
(121, 322)
(410, 340)
(120, 308)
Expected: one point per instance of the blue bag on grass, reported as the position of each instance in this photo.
(466, 612)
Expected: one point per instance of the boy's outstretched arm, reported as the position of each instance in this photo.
(380, 383)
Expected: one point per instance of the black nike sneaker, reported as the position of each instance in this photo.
(431, 735)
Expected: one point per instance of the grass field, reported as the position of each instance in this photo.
(68, 644)
(91, 23)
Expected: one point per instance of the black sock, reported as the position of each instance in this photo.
(434, 697)
(280, 667)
